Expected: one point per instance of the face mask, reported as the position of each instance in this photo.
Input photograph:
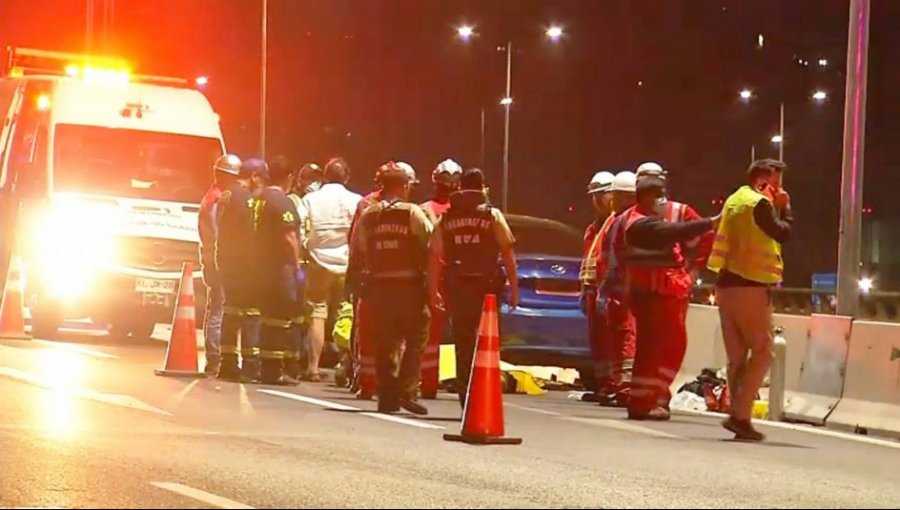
(659, 207)
(313, 186)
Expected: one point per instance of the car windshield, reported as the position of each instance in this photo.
(543, 239)
(133, 164)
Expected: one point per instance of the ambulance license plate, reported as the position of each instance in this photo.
(149, 285)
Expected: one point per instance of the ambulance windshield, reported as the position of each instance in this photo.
(133, 164)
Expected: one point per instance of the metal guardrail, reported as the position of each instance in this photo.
(875, 305)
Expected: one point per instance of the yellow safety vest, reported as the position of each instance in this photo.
(741, 247)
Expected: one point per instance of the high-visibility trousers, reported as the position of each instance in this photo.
(365, 349)
(613, 349)
(661, 345)
(431, 358)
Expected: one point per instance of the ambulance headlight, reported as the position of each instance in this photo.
(73, 243)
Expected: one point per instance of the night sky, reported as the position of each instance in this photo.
(632, 80)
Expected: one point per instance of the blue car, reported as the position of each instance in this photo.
(548, 327)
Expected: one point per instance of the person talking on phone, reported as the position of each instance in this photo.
(746, 254)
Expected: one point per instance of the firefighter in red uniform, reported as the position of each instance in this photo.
(696, 250)
(617, 340)
(601, 199)
(651, 246)
(446, 181)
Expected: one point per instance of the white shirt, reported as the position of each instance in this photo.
(327, 214)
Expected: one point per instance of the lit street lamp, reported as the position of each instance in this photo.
(466, 33)
(554, 33)
(866, 285)
(820, 96)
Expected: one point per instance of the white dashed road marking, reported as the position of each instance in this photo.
(76, 349)
(624, 427)
(341, 407)
(532, 409)
(199, 495)
(115, 399)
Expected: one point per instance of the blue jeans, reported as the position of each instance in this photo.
(212, 327)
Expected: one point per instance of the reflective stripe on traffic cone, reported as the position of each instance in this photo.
(181, 355)
(483, 415)
(12, 316)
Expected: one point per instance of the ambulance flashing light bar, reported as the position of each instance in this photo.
(104, 70)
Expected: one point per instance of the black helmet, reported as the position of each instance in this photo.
(254, 166)
(228, 163)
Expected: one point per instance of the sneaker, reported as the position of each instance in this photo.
(743, 430)
(414, 407)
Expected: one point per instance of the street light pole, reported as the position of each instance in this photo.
(263, 73)
(482, 140)
(507, 104)
(852, 164)
(781, 133)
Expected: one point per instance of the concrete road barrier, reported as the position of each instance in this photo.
(822, 373)
(796, 333)
(871, 401)
(705, 349)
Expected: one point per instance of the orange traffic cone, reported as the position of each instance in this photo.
(12, 317)
(483, 415)
(181, 355)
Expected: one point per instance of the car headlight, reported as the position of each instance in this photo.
(73, 242)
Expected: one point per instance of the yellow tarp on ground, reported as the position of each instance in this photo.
(525, 382)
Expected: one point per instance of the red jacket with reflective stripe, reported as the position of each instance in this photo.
(663, 272)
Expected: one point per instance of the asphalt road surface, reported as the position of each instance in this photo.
(86, 423)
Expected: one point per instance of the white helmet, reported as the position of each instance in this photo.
(650, 169)
(624, 181)
(601, 182)
(446, 170)
(410, 172)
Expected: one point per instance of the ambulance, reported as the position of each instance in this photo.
(101, 174)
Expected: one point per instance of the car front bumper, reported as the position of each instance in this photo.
(546, 337)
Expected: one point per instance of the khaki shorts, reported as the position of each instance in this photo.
(324, 288)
